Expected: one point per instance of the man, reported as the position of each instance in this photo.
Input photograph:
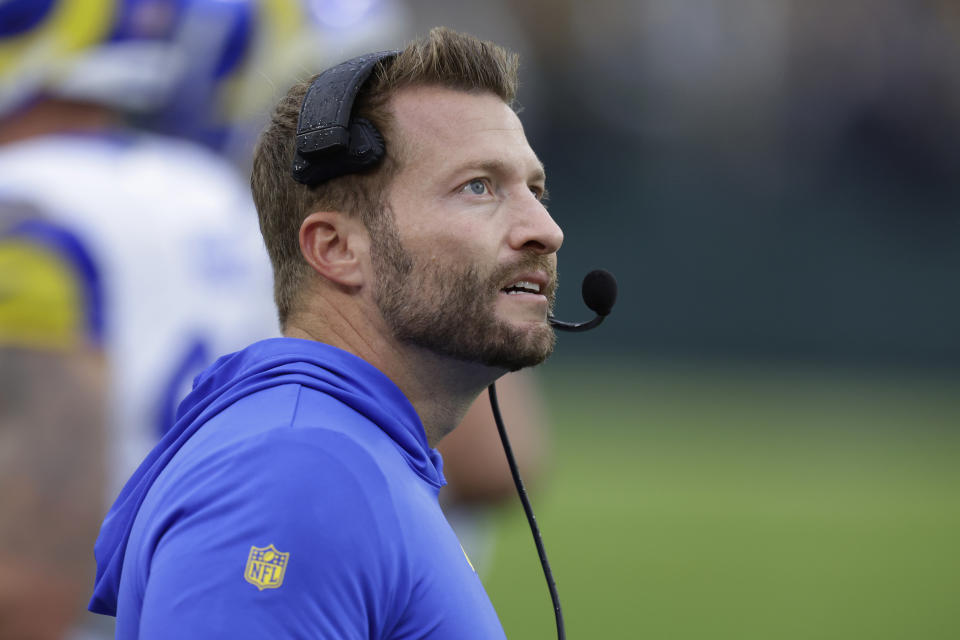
(296, 496)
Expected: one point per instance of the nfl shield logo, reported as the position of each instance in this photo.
(266, 567)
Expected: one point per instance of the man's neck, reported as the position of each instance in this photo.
(440, 388)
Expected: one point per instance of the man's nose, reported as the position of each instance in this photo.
(535, 229)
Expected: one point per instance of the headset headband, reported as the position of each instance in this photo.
(329, 142)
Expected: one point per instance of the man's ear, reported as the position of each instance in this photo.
(335, 245)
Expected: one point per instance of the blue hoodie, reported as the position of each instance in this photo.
(295, 497)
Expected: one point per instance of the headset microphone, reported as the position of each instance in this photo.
(599, 294)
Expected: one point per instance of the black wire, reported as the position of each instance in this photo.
(532, 519)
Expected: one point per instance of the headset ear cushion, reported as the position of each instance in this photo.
(366, 143)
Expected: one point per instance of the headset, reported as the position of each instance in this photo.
(330, 143)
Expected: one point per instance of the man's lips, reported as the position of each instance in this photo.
(521, 287)
(531, 283)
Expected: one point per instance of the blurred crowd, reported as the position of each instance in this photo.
(767, 178)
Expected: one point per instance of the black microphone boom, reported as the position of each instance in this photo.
(599, 292)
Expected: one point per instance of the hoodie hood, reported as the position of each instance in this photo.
(265, 364)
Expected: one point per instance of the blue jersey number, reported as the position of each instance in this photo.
(194, 358)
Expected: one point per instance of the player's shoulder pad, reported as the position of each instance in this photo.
(50, 288)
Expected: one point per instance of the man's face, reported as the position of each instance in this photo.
(465, 257)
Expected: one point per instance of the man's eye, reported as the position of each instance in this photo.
(477, 187)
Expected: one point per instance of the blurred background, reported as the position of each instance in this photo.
(763, 439)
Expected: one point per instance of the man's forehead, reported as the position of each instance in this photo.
(428, 104)
(474, 127)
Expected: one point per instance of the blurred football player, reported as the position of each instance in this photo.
(126, 261)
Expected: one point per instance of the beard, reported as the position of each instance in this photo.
(448, 307)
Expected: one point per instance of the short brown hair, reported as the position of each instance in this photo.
(444, 58)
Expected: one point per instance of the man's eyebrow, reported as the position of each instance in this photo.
(500, 167)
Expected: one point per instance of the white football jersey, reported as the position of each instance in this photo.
(172, 233)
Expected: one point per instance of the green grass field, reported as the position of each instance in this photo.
(747, 504)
